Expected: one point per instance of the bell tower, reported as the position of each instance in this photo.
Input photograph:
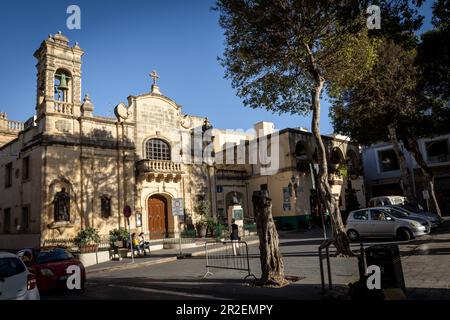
(58, 77)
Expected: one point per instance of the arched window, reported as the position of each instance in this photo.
(301, 151)
(156, 149)
(62, 85)
(336, 156)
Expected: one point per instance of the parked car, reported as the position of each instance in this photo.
(16, 281)
(50, 267)
(434, 218)
(386, 200)
(377, 222)
(396, 213)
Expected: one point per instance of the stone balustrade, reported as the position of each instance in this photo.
(164, 166)
(10, 125)
(62, 107)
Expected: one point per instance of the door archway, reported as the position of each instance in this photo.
(158, 217)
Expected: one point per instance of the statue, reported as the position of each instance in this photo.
(61, 206)
(235, 199)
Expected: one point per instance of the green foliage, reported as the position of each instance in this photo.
(120, 234)
(441, 14)
(211, 222)
(220, 231)
(342, 170)
(385, 96)
(87, 236)
(202, 222)
(188, 233)
(269, 47)
(434, 67)
(202, 207)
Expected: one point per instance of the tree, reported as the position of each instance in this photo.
(441, 14)
(433, 61)
(282, 55)
(272, 266)
(386, 106)
(433, 89)
(372, 110)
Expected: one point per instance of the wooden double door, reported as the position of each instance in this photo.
(157, 217)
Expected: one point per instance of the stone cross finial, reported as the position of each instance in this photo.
(154, 76)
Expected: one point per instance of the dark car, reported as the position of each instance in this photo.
(50, 267)
(434, 218)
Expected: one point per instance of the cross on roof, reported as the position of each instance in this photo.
(154, 76)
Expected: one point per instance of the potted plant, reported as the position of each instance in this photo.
(119, 235)
(342, 170)
(87, 240)
(201, 224)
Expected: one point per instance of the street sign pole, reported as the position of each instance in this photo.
(127, 214)
(131, 241)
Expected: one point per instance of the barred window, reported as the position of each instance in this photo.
(105, 206)
(156, 149)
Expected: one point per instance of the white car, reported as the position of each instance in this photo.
(379, 222)
(16, 282)
(386, 200)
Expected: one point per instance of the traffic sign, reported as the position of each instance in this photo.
(127, 211)
(177, 207)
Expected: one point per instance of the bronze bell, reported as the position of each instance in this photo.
(63, 82)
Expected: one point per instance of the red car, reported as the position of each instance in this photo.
(50, 267)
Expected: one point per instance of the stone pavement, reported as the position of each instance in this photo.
(155, 257)
(425, 264)
(427, 267)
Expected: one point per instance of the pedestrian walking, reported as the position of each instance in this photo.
(234, 237)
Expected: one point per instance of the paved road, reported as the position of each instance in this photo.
(426, 264)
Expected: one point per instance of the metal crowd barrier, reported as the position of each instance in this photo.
(220, 255)
(362, 265)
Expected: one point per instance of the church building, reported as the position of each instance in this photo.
(66, 169)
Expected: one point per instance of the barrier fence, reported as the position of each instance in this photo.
(362, 265)
(231, 255)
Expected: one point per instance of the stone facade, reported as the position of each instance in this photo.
(96, 160)
(66, 169)
(290, 186)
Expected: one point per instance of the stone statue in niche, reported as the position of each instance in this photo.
(61, 206)
(235, 199)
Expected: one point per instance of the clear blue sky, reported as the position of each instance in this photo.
(123, 42)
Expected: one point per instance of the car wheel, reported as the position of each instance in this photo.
(353, 235)
(404, 234)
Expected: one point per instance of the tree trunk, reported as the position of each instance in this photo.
(427, 173)
(405, 176)
(341, 241)
(272, 267)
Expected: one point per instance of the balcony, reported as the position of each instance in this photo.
(159, 170)
(232, 175)
(62, 107)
